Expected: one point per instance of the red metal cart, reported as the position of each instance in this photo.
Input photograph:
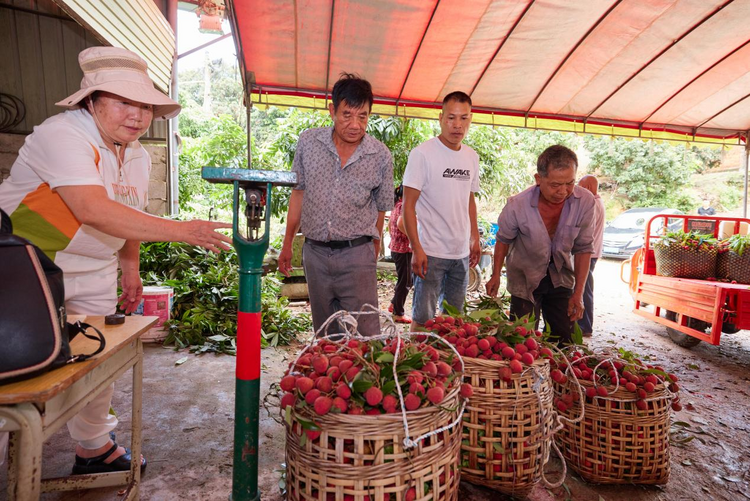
(692, 310)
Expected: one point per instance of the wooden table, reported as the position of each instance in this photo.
(34, 409)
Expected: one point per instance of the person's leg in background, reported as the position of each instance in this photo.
(587, 322)
(355, 284)
(427, 290)
(520, 307)
(455, 283)
(554, 305)
(95, 294)
(317, 262)
(403, 284)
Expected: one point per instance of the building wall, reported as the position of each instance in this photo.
(39, 46)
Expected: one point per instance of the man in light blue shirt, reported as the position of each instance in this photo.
(546, 234)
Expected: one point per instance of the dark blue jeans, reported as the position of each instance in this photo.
(587, 322)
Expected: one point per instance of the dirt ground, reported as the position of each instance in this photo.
(188, 413)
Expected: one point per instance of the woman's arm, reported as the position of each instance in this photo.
(92, 206)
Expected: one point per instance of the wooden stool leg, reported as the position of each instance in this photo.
(24, 452)
(135, 437)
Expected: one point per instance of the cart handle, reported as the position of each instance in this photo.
(622, 269)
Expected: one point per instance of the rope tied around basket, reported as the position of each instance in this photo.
(547, 437)
(348, 320)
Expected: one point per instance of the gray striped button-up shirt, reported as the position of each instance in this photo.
(531, 251)
(342, 203)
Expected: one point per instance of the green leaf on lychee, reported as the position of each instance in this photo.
(384, 358)
(361, 385)
(388, 387)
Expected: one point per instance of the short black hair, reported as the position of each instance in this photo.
(354, 90)
(461, 97)
(555, 157)
(398, 192)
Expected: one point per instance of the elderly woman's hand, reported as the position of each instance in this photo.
(204, 234)
(132, 291)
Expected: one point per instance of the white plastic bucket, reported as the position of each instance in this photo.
(156, 301)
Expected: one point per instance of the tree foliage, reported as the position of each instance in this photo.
(648, 174)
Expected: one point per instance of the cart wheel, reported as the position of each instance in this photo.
(728, 328)
(680, 338)
(475, 279)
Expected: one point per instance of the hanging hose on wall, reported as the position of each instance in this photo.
(12, 111)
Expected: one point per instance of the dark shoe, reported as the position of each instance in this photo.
(86, 466)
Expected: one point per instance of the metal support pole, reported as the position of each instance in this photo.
(249, 108)
(173, 160)
(745, 156)
(247, 383)
(251, 248)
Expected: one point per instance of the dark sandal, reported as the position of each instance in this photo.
(86, 466)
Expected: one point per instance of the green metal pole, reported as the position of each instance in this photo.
(250, 252)
(247, 384)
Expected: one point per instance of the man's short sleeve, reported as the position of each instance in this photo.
(507, 224)
(297, 163)
(415, 175)
(62, 156)
(475, 180)
(384, 192)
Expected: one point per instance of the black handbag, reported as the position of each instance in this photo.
(34, 332)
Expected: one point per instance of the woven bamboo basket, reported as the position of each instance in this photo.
(507, 430)
(363, 457)
(674, 261)
(616, 443)
(732, 266)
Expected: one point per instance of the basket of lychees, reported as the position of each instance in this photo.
(509, 419)
(375, 419)
(624, 434)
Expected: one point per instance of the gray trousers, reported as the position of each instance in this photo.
(342, 279)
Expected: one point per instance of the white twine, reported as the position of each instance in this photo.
(611, 359)
(389, 331)
(569, 371)
(538, 380)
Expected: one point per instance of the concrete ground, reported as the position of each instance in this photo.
(188, 413)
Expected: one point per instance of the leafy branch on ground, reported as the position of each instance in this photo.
(206, 292)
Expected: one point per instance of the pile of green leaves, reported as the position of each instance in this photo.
(691, 240)
(736, 243)
(206, 291)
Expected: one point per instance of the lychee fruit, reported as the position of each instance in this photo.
(287, 383)
(435, 394)
(322, 405)
(412, 402)
(304, 384)
(466, 390)
(373, 396)
(320, 364)
(287, 400)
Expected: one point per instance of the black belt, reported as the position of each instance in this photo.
(340, 244)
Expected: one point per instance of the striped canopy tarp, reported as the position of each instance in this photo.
(654, 69)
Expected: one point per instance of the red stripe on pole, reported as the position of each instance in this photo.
(248, 346)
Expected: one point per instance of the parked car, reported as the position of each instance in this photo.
(624, 235)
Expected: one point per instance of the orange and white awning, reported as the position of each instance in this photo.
(663, 69)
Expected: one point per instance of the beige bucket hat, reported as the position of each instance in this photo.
(121, 72)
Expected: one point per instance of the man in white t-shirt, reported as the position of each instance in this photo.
(587, 322)
(441, 178)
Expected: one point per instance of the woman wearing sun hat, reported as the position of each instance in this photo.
(78, 190)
